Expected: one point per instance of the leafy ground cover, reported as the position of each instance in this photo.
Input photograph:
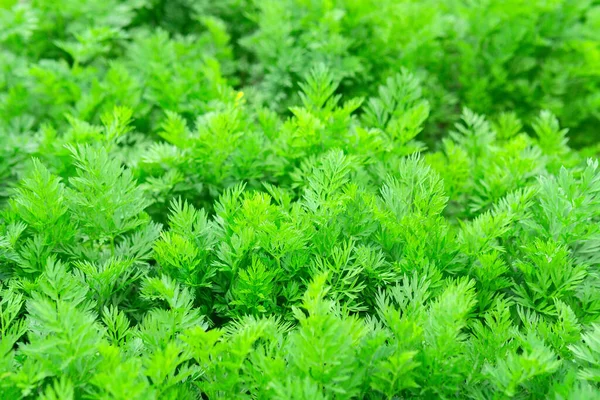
(299, 199)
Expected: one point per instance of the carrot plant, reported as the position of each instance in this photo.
(299, 199)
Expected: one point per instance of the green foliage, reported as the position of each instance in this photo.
(297, 199)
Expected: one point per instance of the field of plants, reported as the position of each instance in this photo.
(299, 199)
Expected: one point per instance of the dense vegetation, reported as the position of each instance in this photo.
(299, 199)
